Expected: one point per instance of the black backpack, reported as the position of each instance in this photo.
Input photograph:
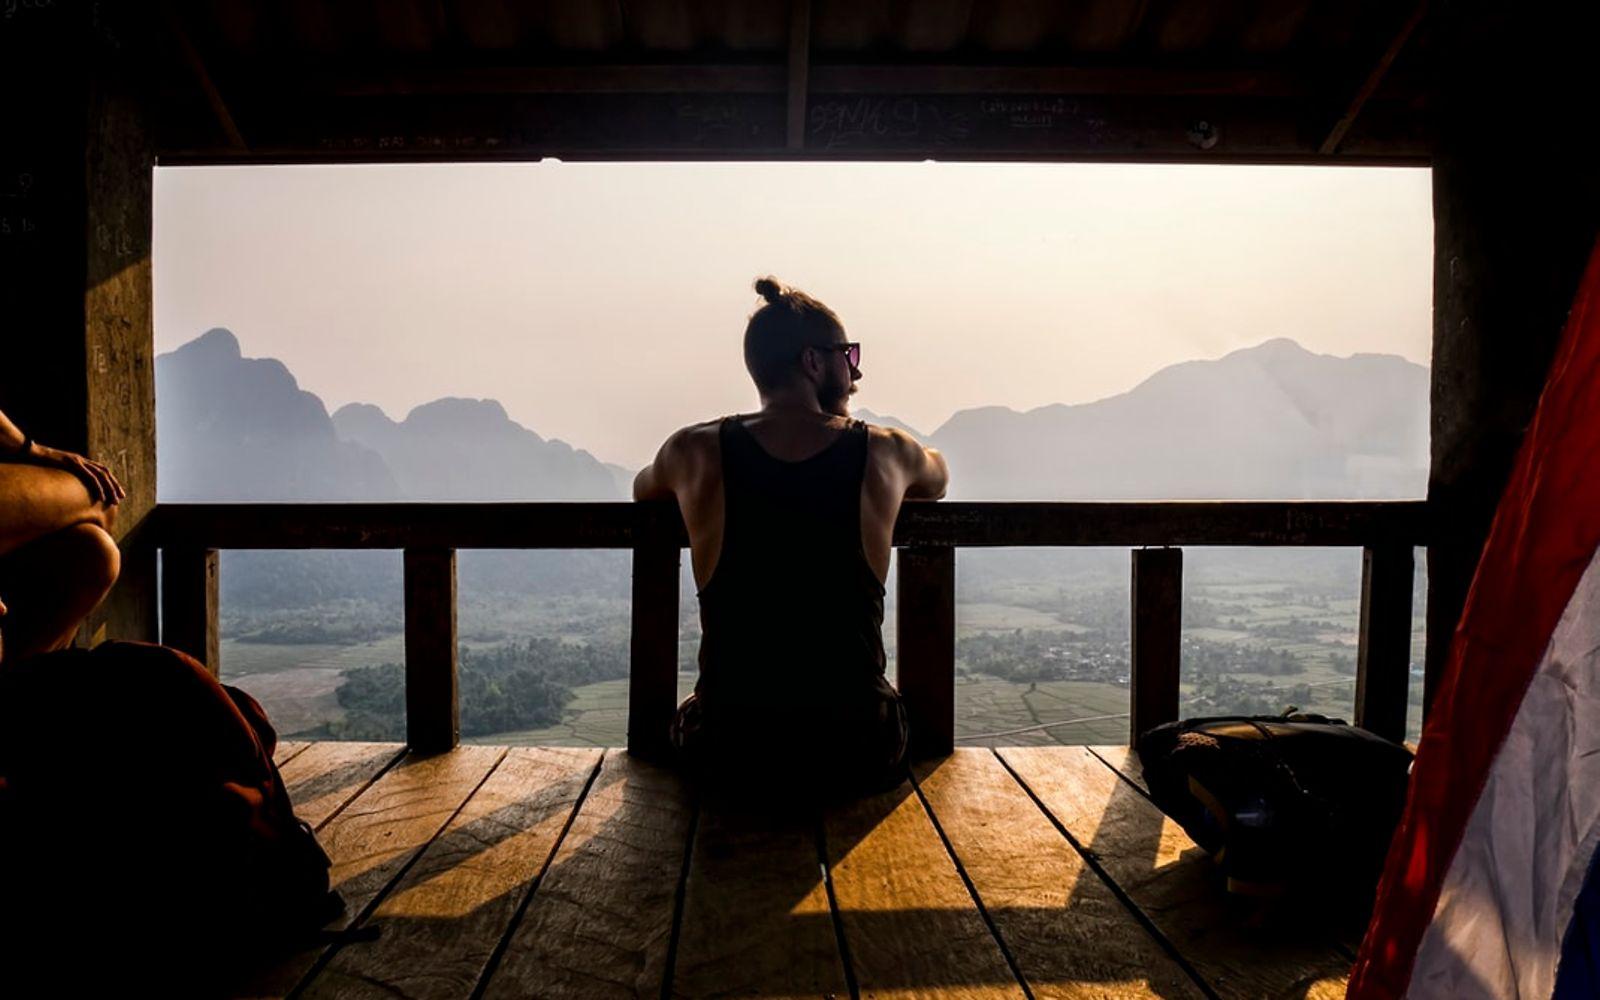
(141, 813)
(1290, 802)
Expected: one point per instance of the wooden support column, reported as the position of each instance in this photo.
(1157, 638)
(925, 640)
(75, 238)
(799, 69)
(1505, 267)
(653, 649)
(189, 588)
(1383, 663)
(433, 704)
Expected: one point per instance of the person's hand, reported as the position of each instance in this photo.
(102, 485)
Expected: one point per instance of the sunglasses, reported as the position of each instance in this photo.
(851, 350)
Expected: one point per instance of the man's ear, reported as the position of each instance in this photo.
(809, 363)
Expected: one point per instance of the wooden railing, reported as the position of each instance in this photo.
(926, 535)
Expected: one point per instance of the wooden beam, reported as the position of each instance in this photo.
(433, 707)
(745, 78)
(1157, 637)
(925, 643)
(653, 643)
(202, 76)
(799, 64)
(189, 604)
(614, 525)
(1383, 663)
(1374, 78)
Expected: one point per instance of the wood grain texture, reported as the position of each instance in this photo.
(439, 926)
(1069, 934)
(1125, 761)
(1239, 949)
(329, 774)
(911, 927)
(756, 918)
(376, 835)
(286, 750)
(600, 922)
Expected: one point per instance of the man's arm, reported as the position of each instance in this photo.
(927, 474)
(18, 447)
(658, 480)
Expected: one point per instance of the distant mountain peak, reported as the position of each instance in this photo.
(1274, 349)
(862, 413)
(459, 410)
(216, 344)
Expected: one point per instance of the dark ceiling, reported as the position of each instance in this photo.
(1155, 80)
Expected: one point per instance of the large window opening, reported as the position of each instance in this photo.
(534, 331)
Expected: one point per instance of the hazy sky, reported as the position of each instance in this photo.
(603, 304)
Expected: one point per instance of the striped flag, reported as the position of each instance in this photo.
(1489, 888)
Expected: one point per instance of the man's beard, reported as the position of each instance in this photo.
(834, 397)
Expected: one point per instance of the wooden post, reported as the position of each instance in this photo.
(1383, 664)
(433, 706)
(925, 635)
(75, 275)
(1504, 269)
(189, 604)
(1157, 638)
(653, 648)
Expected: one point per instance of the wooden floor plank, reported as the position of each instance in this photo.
(324, 778)
(1176, 885)
(910, 926)
(286, 749)
(377, 834)
(1066, 929)
(1125, 762)
(601, 919)
(439, 926)
(756, 919)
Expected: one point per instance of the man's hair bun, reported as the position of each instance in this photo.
(788, 323)
(769, 289)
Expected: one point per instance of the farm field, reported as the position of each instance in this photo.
(1037, 661)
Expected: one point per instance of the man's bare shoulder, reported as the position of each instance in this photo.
(702, 434)
(694, 440)
(892, 441)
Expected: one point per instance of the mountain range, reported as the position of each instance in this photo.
(237, 428)
(1270, 421)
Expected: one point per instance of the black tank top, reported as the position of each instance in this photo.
(792, 617)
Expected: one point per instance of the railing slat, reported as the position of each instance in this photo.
(653, 650)
(925, 642)
(1157, 637)
(1383, 664)
(433, 708)
(189, 589)
(613, 525)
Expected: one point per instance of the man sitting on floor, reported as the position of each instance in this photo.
(790, 513)
(56, 509)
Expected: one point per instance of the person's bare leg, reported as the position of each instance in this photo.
(51, 585)
(36, 501)
(56, 559)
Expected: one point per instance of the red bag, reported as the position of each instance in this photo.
(138, 795)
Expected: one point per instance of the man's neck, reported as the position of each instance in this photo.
(804, 407)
